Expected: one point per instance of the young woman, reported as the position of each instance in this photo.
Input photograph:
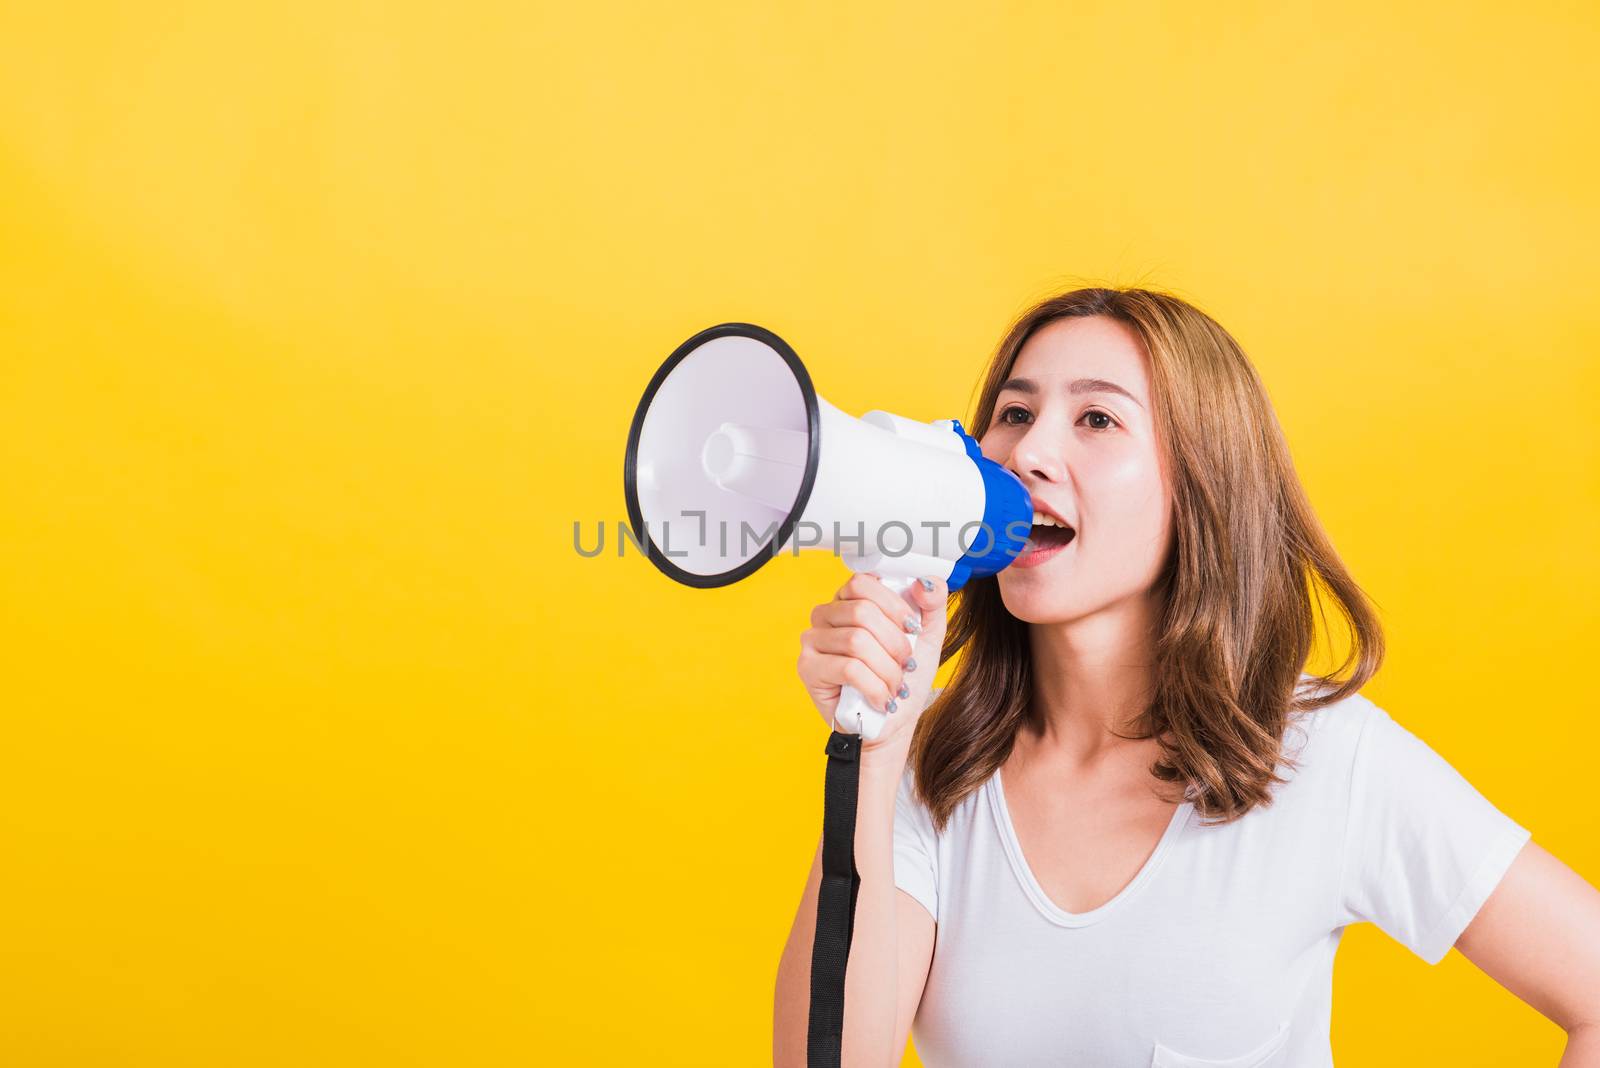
(1134, 825)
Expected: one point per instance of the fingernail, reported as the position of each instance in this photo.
(927, 584)
(913, 625)
(905, 691)
(911, 665)
(890, 707)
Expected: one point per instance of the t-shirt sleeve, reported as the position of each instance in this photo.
(915, 851)
(1423, 848)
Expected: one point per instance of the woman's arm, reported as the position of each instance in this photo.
(1538, 935)
(871, 1006)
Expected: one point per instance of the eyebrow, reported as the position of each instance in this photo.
(1077, 385)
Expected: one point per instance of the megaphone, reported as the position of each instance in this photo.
(733, 458)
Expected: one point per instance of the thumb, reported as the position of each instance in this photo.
(931, 596)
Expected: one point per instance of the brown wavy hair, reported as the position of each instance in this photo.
(1245, 576)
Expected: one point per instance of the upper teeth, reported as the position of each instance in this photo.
(1041, 519)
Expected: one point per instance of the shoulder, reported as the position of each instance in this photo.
(1323, 744)
(1338, 727)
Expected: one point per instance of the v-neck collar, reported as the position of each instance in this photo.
(1041, 901)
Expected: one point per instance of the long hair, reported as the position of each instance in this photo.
(1237, 593)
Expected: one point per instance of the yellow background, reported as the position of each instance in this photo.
(321, 325)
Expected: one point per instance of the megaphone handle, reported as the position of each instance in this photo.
(854, 714)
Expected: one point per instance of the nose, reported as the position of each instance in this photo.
(1032, 460)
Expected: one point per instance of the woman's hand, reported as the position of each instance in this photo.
(859, 639)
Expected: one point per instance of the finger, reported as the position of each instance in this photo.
(930, 596)
(868, 616)
(849, 671)
(867, 586)
(863, 646)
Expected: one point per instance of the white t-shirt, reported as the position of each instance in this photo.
(1219, 952)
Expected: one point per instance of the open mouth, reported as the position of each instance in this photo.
(1049, 533)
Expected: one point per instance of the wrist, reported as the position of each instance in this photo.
(887, 760)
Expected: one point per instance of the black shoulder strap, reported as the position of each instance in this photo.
(836, 901)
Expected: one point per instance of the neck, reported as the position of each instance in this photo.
(1092, 678)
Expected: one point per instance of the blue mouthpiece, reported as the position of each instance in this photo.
(1007, 518)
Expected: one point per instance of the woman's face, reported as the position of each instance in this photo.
(1088, 454)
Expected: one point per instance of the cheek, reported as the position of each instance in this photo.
(1127, 490)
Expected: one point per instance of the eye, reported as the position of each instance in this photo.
(1003, 417)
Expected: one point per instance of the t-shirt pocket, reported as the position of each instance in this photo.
(1268, 1054)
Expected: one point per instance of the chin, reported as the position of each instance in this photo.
(1066, 601)
(1042, 604)
(1048, 618)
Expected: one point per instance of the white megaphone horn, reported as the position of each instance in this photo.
(733, 457)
